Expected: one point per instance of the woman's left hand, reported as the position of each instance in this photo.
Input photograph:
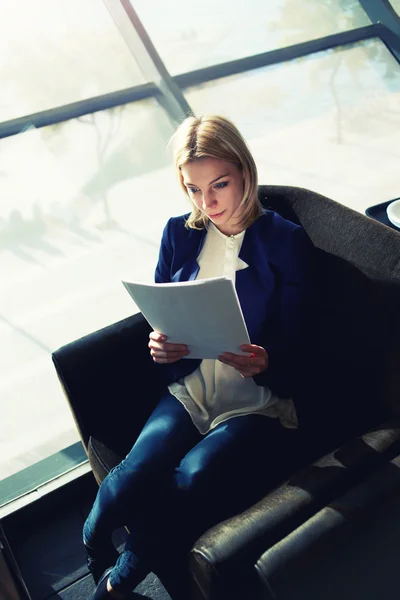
(248, 366)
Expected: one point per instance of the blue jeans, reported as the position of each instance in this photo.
(175, 483)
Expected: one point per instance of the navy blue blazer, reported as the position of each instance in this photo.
(274, 291)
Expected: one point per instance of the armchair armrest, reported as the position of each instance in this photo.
(342, 534)
(233, 546)
(110, 382)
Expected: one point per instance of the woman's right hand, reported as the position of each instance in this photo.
(164, 352)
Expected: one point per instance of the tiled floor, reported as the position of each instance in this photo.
(46, 544)
(81, 590)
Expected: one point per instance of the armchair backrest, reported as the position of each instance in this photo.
(351, 361)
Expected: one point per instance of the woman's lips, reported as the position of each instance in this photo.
(217, 215)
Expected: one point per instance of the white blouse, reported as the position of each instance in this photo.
(215, 392)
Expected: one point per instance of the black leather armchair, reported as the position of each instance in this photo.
(348, 399)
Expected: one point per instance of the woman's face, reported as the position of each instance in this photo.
(216, 188)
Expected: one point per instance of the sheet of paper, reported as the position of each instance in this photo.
(205, 314)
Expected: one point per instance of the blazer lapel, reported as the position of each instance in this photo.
(254, 285)
(192, 248)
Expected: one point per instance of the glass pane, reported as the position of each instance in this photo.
(328, 122)
(200, 34)
(396, 5)
(83, 206)
(53, 53)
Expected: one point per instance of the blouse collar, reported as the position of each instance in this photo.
(238, 237)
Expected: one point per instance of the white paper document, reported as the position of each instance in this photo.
(205, 315)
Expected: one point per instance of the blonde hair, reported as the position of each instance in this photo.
(214, 136)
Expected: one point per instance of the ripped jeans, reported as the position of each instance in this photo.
(175, 483)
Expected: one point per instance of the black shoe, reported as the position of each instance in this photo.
(101, 592)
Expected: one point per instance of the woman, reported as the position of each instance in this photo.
(197, 451)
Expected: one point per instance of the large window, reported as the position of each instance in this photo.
(328, 122)
(193, 35)
(85, 203)
(53, 52)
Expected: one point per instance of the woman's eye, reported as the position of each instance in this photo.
(222, 184)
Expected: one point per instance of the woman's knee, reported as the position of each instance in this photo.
(189, 478)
